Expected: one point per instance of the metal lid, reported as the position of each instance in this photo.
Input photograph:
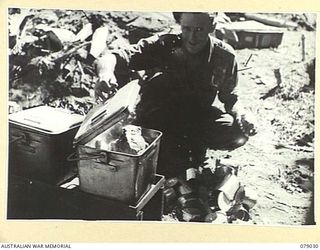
(102, 117)
(46, 119)
(251, 26)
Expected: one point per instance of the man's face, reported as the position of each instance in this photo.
(195, 29)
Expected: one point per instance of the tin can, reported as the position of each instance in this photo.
(171, 183)
(228, 165)
(250, 198)
(210, 217)
(230, 186)
(218, 201)
(189, 200)
(192, 214)
(170, 195)
(239, 212)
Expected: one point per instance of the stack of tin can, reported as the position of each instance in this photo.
(206, 195)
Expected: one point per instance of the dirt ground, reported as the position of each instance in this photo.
(277, 164)
(282, 177)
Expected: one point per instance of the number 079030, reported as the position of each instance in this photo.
(308, 246)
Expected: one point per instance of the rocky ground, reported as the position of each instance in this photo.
(277, 163)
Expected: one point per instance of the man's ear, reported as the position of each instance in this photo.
(212, 27)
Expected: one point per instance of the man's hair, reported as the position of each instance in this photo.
(177, 15)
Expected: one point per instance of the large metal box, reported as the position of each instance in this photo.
(251, 39)
(250, 34)
(117, 175)
(40, 140)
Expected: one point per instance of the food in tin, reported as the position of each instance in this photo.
(131, 141)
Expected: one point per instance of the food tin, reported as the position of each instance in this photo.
(40, 140)
(109, 173)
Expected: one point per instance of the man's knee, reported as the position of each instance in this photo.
(221, 137)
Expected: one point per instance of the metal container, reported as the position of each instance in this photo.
(261, 39)
(217, 200)
(250, 34)
(41, 139)
(230, 186)
(117, 175)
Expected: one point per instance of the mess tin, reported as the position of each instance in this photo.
(40, 140)
(116, 175)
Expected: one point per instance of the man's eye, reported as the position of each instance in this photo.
(184, 28)
(189, 29)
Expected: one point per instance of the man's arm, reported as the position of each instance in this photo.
(228, 90)
(114, 67)
(107, 80)
(228, 94)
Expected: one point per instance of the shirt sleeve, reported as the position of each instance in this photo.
(228, 93)
(147, 54)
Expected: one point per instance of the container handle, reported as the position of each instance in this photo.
(111, 168)
(98, 117)
(73, 157)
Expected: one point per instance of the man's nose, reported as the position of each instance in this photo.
(192, 35)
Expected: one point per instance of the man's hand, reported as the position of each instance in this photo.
(107, 84)
(225, 120)
(247, 124)
(105, 87)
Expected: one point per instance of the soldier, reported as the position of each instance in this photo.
(183, 75)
